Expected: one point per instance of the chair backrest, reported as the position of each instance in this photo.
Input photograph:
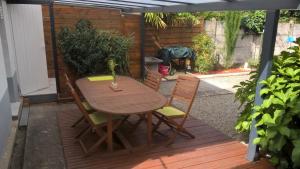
(185, 90)
(153, 80)
(78, 102)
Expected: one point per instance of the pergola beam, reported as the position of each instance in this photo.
(92, 6)
(93, 2)
(225, 5)
(268, 46)
(181, 6)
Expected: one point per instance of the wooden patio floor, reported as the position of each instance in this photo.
(210, 149)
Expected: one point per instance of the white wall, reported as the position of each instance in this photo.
(248, 46)
(5, 110)
(9, 39)
(3, 82)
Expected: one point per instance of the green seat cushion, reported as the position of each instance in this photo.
(100, 78)
(100, 118)
(170, 111)
(87, 107)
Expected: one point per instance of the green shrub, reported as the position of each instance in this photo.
(204, 48)
(278, 117)
(254, 22)
(87, 50)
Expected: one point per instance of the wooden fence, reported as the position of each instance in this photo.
(114, 20)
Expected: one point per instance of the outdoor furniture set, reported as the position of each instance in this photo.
(104, 109)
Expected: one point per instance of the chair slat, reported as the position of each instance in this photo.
(153, 80)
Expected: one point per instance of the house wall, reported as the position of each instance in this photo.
(5, 110)
(9, 52)
(113, 20)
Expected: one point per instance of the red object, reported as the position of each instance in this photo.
(164, 70)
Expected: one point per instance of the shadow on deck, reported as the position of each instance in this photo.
(210, 149)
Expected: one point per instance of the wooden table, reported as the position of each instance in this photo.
(134, 98)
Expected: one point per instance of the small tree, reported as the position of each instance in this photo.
(232, 27)
(204, 48)
(87, 50)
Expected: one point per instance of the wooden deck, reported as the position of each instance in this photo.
(209, 150)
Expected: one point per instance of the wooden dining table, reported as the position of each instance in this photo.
(131, 97)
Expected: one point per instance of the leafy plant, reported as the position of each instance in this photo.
(155, 19)
(253, 22)
(204, 47)
(278, 117)
(287, 15)
(231, 30)
(162, 20)
(86, 50)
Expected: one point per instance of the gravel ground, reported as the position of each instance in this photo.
(214, 103)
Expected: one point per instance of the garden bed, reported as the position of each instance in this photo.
(227, 72)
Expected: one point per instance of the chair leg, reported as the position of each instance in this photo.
(85, 133)
(123, 140)
(77, 122)
(81, 132)
(156, 126)
(172, 138)
(183, 130)
(96, 145)
(135, 126)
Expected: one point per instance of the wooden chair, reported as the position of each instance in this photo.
(96, 122)
(184, 92)
(85, 104)
(152, 80)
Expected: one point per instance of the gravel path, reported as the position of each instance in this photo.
(214, 103)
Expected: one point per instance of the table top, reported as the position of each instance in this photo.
(133, 98)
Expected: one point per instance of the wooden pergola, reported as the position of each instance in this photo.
(173, 6)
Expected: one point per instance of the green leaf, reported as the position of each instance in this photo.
(268, 119)
(264, 91)
(261, 132)
(270, 133)
(277, 114)
(257, 140)
(274, 160)
(290, 72)
(296, 154)
(279, 142)
(280, 95)
(246, 124)
(284, 131)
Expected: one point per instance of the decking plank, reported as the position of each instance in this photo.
(210, 149)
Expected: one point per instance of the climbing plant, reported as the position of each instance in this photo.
(253, 22)
(231, 31)
(278, 117)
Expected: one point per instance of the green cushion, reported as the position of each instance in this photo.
(87, 107)
(100, 118)
(100, 78)
(170, 111)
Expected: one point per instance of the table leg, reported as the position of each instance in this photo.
(109, 133)
(149, 128)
